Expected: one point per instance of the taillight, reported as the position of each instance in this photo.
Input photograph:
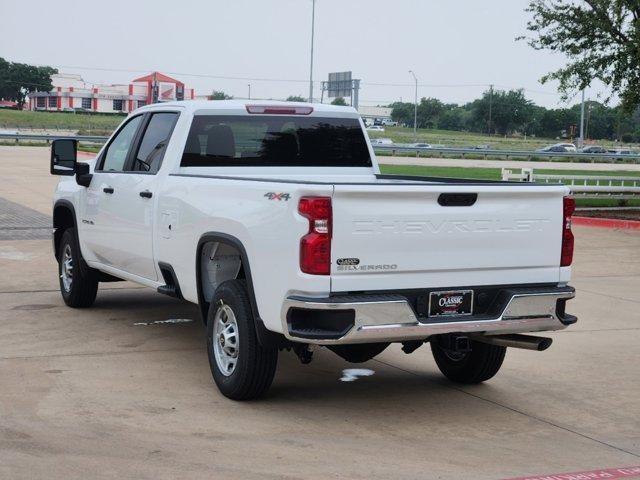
(569, 206)
(315, 246)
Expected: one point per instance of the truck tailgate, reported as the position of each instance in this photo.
(398, 236)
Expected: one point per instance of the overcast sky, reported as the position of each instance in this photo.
(456, 48)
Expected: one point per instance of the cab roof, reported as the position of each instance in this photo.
(241, 106)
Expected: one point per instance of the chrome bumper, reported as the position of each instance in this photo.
(389, 318)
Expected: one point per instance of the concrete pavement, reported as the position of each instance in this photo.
(90, 394)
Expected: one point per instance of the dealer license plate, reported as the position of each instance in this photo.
(451, 303)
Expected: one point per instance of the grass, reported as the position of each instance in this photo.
(82, 123)
(496, 174)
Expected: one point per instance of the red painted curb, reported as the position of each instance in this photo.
(608, 473)
(606, 223)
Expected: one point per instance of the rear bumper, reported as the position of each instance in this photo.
(345, 319)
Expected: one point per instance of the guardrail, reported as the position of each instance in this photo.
(487, 152)
(583, 186)
(393, 149)
(48, 138)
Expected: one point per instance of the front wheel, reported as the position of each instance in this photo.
(78, 285)
(241, 367)
(475, 366)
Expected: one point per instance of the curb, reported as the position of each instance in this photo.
(606, 223)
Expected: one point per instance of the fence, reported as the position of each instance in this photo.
(583, 186)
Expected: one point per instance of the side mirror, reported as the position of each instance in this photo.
(64, 156)
(83, 177)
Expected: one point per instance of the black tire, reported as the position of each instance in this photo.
(476, 366)
(83, 287)
(255, 366)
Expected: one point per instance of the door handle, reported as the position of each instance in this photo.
(146, 194)
(108, 190)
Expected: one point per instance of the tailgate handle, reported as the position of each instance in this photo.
(457, 199)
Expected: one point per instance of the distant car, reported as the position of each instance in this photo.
(389, 123)
(375, 128)
(559, 147)
(568, 147)
(593, 149)
(621, 151)
(381, 141)
(420, 145)
(552, 148)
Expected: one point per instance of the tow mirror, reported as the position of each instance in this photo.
(64, 156)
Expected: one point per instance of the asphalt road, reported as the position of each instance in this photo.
(93, 394)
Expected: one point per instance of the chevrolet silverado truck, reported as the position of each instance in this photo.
(275, 220)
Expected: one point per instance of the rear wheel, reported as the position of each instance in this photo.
(78, 283)
(475, 366)
(241, 367)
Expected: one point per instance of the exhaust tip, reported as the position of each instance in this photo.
(544, 343)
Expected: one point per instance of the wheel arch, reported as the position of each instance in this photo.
(64, 217)
(265, 337)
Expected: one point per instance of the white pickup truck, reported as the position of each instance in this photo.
(274, 219)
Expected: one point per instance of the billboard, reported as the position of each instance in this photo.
(339, 84)
(167, 91)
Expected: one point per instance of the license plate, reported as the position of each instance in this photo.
(451, 303)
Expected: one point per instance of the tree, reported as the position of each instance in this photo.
(453, 118)
(510, 111)
(339, 101)
(219, 95)
(296, 98)
(429, 110)
(17, 80)
(402, 112)
(600, 38)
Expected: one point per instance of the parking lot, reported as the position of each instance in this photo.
(107, 393)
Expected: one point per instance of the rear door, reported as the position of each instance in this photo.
(399, 236)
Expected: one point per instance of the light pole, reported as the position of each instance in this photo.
(249, 96)
(490, 105)
(581, 143)
(313, 21)
(415, 108)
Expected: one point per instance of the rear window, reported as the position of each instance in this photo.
(275, 140)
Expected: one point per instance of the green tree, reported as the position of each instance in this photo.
(17, 80)
(339, 101)
(510, 111)
(600, 38)
(429, 110)
(453, 118)
(402, 112)
(296, 98)
(219, 95)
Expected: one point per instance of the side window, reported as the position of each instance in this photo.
(117, 151)
(154, 142)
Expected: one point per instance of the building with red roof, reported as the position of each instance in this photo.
(71, 93)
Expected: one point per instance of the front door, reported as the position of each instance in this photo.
(122, 194)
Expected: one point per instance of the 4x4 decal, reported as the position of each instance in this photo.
(278, 196)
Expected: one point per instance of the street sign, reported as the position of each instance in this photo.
(339, 84)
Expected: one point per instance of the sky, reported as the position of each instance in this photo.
(456, 48)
